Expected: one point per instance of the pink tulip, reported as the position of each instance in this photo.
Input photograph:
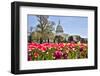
(58, 54)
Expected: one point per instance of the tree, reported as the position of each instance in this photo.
(45, 27)
(70, 39)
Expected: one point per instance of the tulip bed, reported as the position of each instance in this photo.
(53, 51)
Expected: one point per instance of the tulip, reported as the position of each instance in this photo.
(58, 54)
(36, 55)
(58, 51)
(29, 58)
(65, 56)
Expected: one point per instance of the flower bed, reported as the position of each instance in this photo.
(53, 51)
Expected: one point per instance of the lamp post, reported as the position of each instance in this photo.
(30, 35)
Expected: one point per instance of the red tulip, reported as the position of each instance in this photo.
(71, 45)
(29, 58)
(36, 55)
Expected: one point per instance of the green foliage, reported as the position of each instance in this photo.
(72, 55)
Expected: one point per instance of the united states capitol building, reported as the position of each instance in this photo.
(63, 37)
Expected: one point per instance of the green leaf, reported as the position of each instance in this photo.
(39, 58)
(72, 55)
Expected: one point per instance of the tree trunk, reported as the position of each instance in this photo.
(41, 40)
(48, 40)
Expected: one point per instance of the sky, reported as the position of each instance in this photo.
(72, 25)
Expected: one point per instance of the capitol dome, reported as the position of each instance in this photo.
(59, 29)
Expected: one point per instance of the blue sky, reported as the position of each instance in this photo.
(73, 25)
